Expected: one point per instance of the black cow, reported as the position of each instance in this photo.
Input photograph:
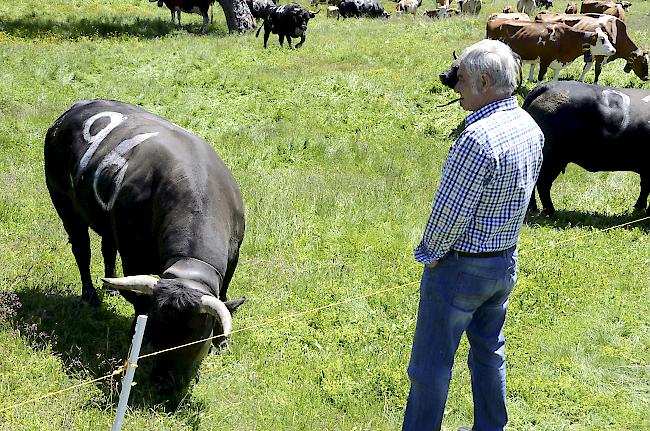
(596, 127)
(260, 8)
(546, 4)
(163, 198)
(200, 7)
(289, 20)
(362, 8)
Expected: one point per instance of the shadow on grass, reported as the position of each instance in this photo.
(568, 219)
(37, 28)
(90, 341)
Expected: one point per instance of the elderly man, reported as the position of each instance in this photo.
(469, 244)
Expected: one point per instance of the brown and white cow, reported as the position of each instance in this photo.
(515, 16)
(636, 59)
(607, 7)
(441, 12)
(508, 9)
(407, 6)
(571, 8)
(550, 45)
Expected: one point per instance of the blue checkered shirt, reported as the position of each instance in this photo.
(487, 180)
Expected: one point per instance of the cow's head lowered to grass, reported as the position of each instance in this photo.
(180, 311)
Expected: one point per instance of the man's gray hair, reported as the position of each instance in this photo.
(494, 59)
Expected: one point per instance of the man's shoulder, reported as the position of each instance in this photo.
(511, 119)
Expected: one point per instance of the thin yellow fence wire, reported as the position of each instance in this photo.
(122, 368)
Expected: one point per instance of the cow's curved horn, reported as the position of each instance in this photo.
(455, 56)
(144, 284)
(216, 308)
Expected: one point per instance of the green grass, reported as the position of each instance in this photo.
(337, 148)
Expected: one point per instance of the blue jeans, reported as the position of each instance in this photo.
(461, 294)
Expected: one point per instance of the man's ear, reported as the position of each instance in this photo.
(484, 82)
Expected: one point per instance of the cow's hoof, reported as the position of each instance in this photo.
(91, 298)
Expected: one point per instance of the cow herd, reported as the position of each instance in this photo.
(554, 40)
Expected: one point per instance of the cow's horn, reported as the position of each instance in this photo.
(144, 284)
(455, 56)
(216, 308)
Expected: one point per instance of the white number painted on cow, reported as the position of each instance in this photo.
(94, 140)
(114, 158)
(617, 102)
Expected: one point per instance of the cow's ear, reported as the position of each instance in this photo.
(593, 38)
(234, 304)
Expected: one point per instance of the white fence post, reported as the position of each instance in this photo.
(130, 371)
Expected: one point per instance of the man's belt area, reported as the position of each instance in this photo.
(483, 253)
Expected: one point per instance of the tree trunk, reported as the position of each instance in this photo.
(238, 16)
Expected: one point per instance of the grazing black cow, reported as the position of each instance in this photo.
(289, 20)
(163, 198)
(200, 7)
(362, 8)
(596, 127)
(260, 8)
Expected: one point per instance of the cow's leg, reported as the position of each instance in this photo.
(556, 74)
(642, 202)
(543, 67)
(531, 74)
(302, 40)
(600, 60)
(289, 41)
(266, 34)
(281, 37)
(206, 23)
(109, 253)
(178, 15)
(532, 204)
(549, 172)
(77, 230)
(585, 70)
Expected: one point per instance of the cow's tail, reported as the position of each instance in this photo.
(259, 29)
(534, 94)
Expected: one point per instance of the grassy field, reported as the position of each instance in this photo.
(337, 148)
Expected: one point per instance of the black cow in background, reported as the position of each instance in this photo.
(165, 200)
(362, 8)
(260, 8)
(289, 20)
(596, 127)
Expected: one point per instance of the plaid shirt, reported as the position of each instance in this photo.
(487, 180)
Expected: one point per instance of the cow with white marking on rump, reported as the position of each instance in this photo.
(596, 127)
(289, 20)
(550, 45)
(635, 59)
(163, 199)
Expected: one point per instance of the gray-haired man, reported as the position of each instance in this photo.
(469, 244)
